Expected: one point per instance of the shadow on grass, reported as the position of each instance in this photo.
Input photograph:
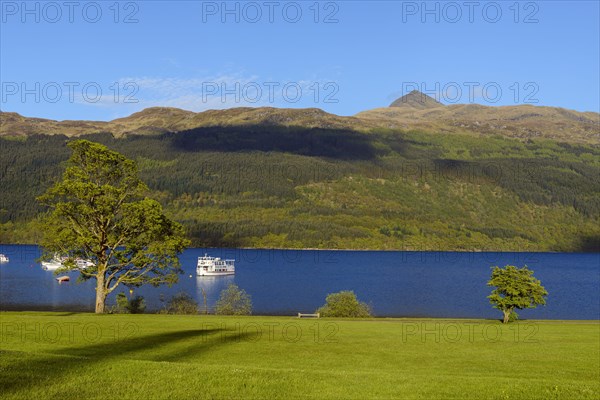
(34, 369)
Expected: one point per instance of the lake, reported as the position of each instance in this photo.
(285, 282)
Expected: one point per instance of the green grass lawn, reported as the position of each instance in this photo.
(82, 356)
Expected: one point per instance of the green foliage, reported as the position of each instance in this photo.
(344, 304)
(516, 288)
(135, 305)
(397, 231)
(234, 301)
(256, 187)
(98, 211)
(181, 303)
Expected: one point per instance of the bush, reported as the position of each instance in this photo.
(344, 304)
(181, 303)
(136, 305)
(234, 301)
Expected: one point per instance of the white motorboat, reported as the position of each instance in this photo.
(83, 264)
(3, 258)
(52, 265)
(214, 266)
(58, 262)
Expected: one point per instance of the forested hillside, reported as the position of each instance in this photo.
(269, 185)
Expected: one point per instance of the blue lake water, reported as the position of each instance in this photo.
(284, 282)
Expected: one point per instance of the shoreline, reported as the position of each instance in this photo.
(294, 317)
(362, 250)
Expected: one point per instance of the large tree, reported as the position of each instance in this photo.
(516, 288)
(99, 212)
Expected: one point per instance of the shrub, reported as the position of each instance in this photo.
(344, 304)
(135, 305)
(181, 303)
(234, 301)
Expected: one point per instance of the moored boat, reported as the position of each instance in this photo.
(62, 279)
(3, 258)
(58, 262)
(52, 265)
(214, 266)
(82, 263)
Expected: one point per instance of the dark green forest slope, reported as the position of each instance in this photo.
(281, 186)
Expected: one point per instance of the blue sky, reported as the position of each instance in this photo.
(95, 60)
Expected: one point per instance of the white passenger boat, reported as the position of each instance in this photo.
(214, 266)
(3, 258)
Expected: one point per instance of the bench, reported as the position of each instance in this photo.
(317, 315)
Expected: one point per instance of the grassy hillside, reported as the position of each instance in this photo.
(74, 356)
(285, 186)
(522, 121)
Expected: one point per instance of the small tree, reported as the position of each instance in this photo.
(516, 288)
(135, 305)
(344, 304)
(99, 212)
(234, 301)
(181, 303)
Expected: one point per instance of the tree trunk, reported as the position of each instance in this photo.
(100, 293)
(506, 316)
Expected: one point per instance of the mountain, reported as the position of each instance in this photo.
(419, 176)
(13, 124)
(302, 179)
(521, 121)
(416, 100)
(415, 111)
(158, 120)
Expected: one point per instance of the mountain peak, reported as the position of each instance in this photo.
(418, 100)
